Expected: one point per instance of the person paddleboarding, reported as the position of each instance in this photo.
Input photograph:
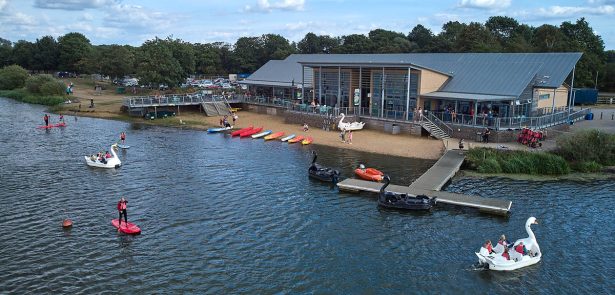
(123, 137)
(121, 208)
(46, 119)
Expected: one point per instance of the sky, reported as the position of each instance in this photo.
(135, 21)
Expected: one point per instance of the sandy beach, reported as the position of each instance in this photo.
(108, 104)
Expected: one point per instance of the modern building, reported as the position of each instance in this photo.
(503, 85)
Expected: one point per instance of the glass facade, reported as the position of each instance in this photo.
(334, 90)
(395, 86)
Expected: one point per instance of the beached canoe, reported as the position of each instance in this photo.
(296, 139)
(287, 138)
(274, 135)
(215, 130)
(250, 132)
(240, 131)
(307, 140)
(259, 135)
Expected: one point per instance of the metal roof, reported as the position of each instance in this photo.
(276, 73)
(467, 96)
(506, 74)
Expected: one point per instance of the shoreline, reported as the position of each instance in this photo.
(107, 106)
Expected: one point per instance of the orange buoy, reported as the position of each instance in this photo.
(67, 223)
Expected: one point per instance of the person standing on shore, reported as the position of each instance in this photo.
(343, 135)
(123, 137)
(121, 208)
(46, 119)
(349, 136)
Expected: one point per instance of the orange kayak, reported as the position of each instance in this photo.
(369, 174)
(307, 140)
(274, 135)
(296, 139)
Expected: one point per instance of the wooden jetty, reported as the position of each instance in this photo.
(431, 183)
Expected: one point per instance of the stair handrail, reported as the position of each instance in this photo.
(438, 123)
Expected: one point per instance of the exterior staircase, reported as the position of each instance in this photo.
(436, 127)
(216, 108)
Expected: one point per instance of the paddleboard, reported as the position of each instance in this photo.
(123, 146)
(261, 134)
(45, 127)
(214, 130)
(287, 137)
(130, 228)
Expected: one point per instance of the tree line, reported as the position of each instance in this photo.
(170, 60)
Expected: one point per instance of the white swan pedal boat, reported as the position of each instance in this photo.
(113, 162)
(495, 260)
(349, 126)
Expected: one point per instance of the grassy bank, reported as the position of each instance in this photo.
(25, 96)
(492, 161)
(587, 151)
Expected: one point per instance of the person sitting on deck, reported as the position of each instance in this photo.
(505, 254)
(521, 248)
(488, 246)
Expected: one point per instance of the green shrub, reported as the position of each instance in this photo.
(587, 167)
(12, 77)
(487, 160)
(34, 83)
(52, 88)
(587, 146)
(23, 95)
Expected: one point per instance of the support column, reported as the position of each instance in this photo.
(303, 84)
(570, 97)
(475, 112)
(382, 96)
(553, 102)
(320, 85)
(339, 86)
(408, 95)
(360, 90)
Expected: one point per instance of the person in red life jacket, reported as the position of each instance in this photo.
(505, 254)
(61, 118)
(46, 118)
(107, 155)
(488, 246)
(123, 137)
(521, 248)
(502, 241)
(121, 208)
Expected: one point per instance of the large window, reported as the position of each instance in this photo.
(395, 93)
(333, 85)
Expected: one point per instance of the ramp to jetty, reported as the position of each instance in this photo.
(431, 183)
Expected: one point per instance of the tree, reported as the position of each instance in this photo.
(6, 48)
(274, 47)
(183, 52)
(422, 37)
(356, 43)
(607, 82)
(312, 44)
(46, 54)
(12, 77)
(521, 40)
(246, 53)
(389, 41)
(157, 65)
(548, 38)
(74, 48)
(581, 37)
(446, 40)
(476, 38)
(23, 53)
(115, 60)
(502, 27)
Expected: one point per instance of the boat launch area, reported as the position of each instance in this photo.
(431, 183)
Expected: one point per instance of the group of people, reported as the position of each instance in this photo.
(46, 118)
(224, 120)
(346, 136)
(101, 157)
(503, 247)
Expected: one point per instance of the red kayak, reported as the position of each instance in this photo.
(240, 131)
(251, 132)
(130, 228)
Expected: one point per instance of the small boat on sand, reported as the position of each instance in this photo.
(240, 131)
(307, 140)
(259, 135)
(296, 139)
(251, 132)
(287, 138)
(274, 135)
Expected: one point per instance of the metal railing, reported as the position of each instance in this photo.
(438, 123)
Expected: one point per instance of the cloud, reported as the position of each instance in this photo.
(567, 11)
(267, 6)
(73, 4)
(3, 3)
(115, 16)
(485, 4)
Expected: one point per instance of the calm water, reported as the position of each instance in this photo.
(222, 215)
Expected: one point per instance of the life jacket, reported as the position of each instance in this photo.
(122, 136)
(519, 248)
(489, 248)
(121, 206)
(506, 255)
(108, 156)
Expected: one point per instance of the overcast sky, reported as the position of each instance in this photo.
(134, 21)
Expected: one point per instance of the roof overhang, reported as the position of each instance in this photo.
(468, 96)
(270, 83)
(369, 65)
